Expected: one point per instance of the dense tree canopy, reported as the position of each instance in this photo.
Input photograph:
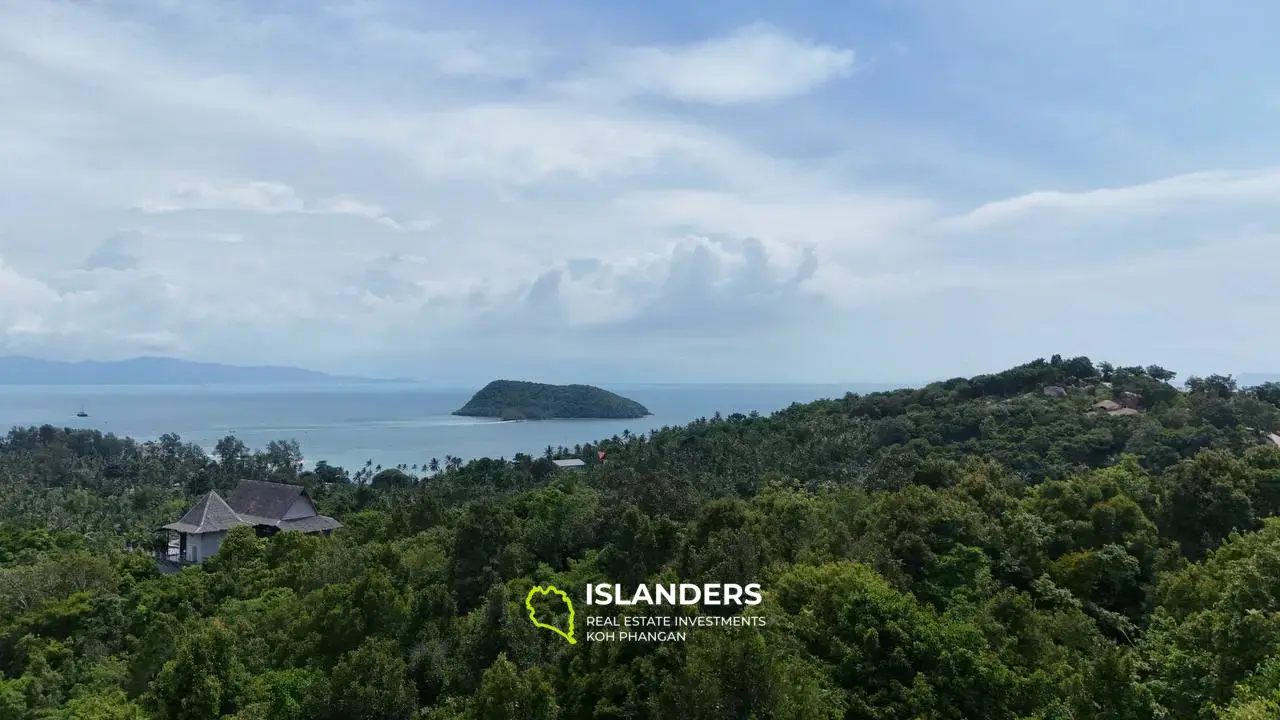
(976, 548)
(521, 400)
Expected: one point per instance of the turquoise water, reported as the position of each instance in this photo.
(389, 424)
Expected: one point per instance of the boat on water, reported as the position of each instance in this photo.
(82, 413)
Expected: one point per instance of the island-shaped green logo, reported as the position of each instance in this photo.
(533, 612)
(521, 400)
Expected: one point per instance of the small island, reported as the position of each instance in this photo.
(520, 400)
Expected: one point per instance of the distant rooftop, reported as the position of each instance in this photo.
(211, 514)
(253, 503)
(571, 463)
(264, 499)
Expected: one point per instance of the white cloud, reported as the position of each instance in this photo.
(266, 198)
(455, 53)
(833, 221)
(1163, 195)
(23, 301)
(477, 138)
(255, 197)
(186, 186)
(757, 63)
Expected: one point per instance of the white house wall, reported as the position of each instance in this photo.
(212, 542)
(201, 547)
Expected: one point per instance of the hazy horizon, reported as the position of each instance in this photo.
(323, 379)
(330, 380)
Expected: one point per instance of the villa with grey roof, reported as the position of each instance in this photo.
(266, 507)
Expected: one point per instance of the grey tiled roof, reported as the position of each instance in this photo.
(211, 514)
(252, 503)
(571, 463)
(256, 520)
(315, 523)
(263, 499)
(312, 523)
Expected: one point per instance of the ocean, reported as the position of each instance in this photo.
(347, 425)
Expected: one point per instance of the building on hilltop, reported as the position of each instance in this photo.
(266, 507)
(571, 464)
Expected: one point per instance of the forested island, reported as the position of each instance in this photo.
(522, 400)
(1062, 540)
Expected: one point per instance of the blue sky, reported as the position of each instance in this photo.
(742, 191)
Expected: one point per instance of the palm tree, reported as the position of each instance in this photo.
(434, 465)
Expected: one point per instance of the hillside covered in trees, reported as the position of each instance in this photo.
(522, 400)
(1009, 546)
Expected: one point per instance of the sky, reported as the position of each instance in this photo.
(617, 191)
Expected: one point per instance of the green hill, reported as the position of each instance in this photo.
(1007, 547)
(520, 400)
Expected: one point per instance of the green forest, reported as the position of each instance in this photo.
(523, 400)
(1064, 540)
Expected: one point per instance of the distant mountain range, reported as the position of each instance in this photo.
(17, 370)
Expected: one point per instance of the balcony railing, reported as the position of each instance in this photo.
(170, 558)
